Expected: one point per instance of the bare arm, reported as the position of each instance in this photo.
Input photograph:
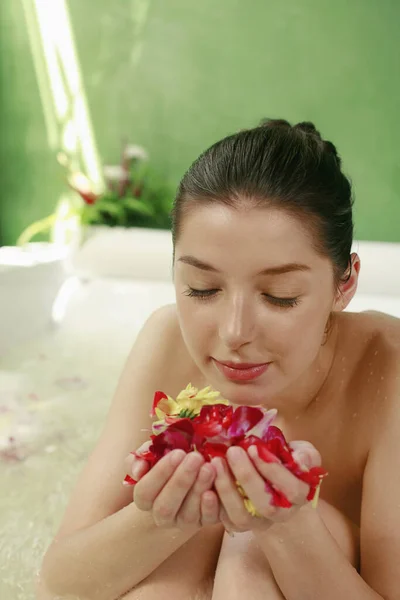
(109, 558)
(105, 545)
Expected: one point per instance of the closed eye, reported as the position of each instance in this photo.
(208, 294)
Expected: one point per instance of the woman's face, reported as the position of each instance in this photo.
(250, 288)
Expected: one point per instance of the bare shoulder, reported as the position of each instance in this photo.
(372, 348)
(158, 361)
(380, 522)
(382, 337)
(372, 332)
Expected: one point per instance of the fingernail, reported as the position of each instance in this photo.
(253, 451)
(177, 457)
(303, 458)
(219, 465)
(206, 472)
(136, 471)
(234, 454)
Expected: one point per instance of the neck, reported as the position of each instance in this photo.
(304, 395)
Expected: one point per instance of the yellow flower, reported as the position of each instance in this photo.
(188, 403)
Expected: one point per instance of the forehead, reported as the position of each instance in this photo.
(257, 236)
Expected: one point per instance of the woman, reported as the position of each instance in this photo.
(262, 232)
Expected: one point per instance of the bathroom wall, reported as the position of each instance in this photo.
(176, 75)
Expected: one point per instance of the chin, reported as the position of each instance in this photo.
(243, 393)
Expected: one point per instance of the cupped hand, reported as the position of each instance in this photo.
(252, 474)
(177, 490)
(189, 496)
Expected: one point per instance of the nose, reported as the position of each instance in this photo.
(237, 323)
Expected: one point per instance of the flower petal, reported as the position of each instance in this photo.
(244, 419)
(212, 450)
(129, 481)
(157, 397)
(260, 429)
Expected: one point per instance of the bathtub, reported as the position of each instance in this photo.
(66, 326)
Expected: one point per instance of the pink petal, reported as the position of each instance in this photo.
(244, 419)
(260, 429)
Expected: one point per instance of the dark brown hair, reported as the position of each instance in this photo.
(276, 165)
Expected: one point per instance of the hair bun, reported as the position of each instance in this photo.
(331, 148)
(308, 127)
(271, 123)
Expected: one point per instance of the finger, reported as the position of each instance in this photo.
(226, 522)
(189, 514)
(136, 467)
(149, 487)
(209, 508)
(281, 479)
(133, 461)
(300, 444)
(144, 447)
(252, 482)
(305, 454)
(229, 495)
(169, 500)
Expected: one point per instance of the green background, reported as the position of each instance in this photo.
(201, 69)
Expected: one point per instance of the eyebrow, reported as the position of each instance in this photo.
(278, 270)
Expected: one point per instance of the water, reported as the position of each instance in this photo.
(55, 392)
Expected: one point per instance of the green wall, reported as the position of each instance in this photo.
(198, 70)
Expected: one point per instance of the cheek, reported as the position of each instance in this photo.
(301, 336)
(196, 323)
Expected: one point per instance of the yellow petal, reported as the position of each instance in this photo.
(192, 400)
(167, 406)
(314, 502)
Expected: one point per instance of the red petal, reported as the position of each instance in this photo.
(244, 418)
(178, 435)
(216, 413)
(207, 429)
(129, 481)
(311, 493)
(266, 455)
(157, 397)
(246, 442)
(212, 450)
(313, 476)
(277, 498)
(278, 445)
(87, 197)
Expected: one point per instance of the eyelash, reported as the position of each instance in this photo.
(207, 294)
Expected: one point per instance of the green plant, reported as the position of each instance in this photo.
(134, 196)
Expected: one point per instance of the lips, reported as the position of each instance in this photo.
(241, 371)
(238, 365)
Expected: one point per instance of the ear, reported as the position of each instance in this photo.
(348, 287)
